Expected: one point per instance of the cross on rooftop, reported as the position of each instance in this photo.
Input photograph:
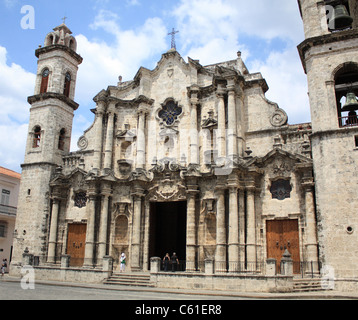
(64, 20)
(173, 33)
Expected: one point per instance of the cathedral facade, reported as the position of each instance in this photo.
(189, 159)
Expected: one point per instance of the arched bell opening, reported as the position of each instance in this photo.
(346, 89)
(339, 15)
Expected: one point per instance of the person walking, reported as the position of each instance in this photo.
(3, 267)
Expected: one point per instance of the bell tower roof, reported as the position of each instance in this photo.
(64, 28)
(61, 35)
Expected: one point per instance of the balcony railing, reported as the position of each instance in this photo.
(10, 211)
(350, 121)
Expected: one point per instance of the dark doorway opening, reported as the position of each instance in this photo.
(168, 229)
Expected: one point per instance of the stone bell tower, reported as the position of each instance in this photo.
(49, 138)
(329, 56)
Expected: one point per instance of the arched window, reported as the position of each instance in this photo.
(66, 89)
(346, 88)
(44, 81)
(61, 140)
(37, 137)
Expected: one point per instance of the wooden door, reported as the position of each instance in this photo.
(76, 242)
(282, 235)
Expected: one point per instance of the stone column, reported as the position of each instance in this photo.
(221, 131)
(136, 228)
(311, 225)
(220, 255)
(191, 231)
(146, 240)
(141, 145)
(98, 135)
(51, 258)
(109, 139)
(233, 242)
(251, 228)
(91, 216)
(232, 122)
(194, 151)
(102, 245)
(241, 226)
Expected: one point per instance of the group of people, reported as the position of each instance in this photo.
(3, 267)
(167, 260)
(173, 260)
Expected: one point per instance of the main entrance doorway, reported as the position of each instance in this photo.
(76, 243)
(168, 229)
(282, 235)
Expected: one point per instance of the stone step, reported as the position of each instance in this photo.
(130, 279)
(307, 285)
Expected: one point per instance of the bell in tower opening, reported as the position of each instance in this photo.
(340, 18)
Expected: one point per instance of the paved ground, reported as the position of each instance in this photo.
(11, 289)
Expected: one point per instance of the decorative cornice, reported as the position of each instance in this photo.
(52, 95)
(324, 39)
(54, 47)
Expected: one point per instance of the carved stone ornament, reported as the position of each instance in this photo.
(82, 143)
(279, 118)
(281, 168)
(168, 191)
(121, 208)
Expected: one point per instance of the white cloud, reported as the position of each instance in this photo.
(104, 62)
(16, 84)
(288, 83)
(211, 30)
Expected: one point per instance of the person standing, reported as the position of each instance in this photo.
(175, 262)
(166, 261)
(123, 262)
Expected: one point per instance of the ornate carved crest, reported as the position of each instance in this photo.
(281, 168)
(169, 190)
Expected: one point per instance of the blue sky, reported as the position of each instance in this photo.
(117, 37)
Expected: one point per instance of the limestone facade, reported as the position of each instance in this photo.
(188, 158)
(329, 55)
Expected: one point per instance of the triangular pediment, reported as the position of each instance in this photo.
(279, 153)
(162, 65)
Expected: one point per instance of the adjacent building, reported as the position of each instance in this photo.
(9, 188)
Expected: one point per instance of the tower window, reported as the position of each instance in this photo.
(66, 89)
(44, 81)
(346, 87)
(61, 140)
(37, 137)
